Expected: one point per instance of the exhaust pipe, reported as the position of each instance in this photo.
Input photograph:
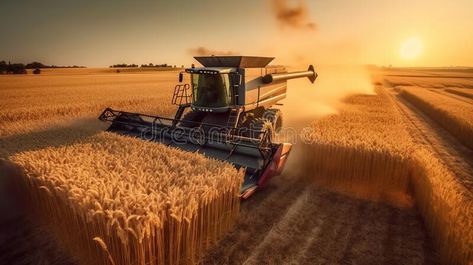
(310, 73)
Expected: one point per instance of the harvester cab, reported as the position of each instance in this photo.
(226, 112)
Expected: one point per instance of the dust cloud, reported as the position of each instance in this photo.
(336, 62)
(307, 102)
(202, 51)
(295, 17)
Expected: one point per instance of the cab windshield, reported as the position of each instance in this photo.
(211, 90)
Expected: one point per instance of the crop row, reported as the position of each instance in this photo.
(367, 150)
(454, 115)
(464, 92)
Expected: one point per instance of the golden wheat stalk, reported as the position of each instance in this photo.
(141, 202)
(362, 150)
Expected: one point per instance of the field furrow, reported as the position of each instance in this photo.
(292, 223)
(444, 92)
(452, 114)
(468, 93)
(443, 184)
(428, 133)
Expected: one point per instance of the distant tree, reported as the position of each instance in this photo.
(16, 68)
(118, 65)
(36, 65)
(37, 71)
(3, 67)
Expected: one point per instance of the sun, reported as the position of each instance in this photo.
(411, 48)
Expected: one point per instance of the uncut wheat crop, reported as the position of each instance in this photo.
(118, 200)
(367, 150)
(363, 149)
(30, 103)
(446, 206)
(453, 115)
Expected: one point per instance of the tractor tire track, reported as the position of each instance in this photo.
(426, 131)
(257, 217)
(336, 233)
(451, 95)
(322, 227)
(286, 225)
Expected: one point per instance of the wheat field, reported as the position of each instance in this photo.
(31, 103)
(427, 77)
(446, 204)
(454, 115)
(382, 181)
(134, 202)
(369, 150)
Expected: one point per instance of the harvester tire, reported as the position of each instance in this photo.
(260, 125)
(275, 117)
(192, 119)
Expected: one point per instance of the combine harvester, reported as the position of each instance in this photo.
(225, 113)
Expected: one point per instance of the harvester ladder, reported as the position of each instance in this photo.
(233, 117)
(181, 95)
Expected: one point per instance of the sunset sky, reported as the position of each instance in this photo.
(100, 33)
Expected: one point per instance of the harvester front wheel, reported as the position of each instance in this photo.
(192, 119)
(261, 125)
(275, 117)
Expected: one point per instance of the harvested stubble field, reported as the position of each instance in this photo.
(392, 186)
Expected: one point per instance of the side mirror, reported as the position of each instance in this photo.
(181, 77)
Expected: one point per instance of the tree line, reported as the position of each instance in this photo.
(20, 68)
